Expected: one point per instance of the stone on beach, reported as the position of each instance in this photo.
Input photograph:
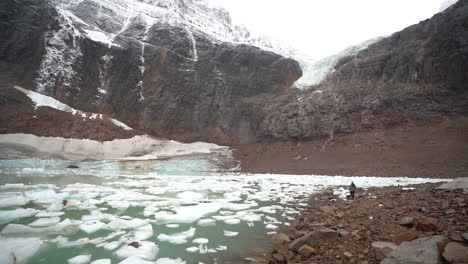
(315, 238)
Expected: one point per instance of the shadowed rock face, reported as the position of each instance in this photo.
(170, 80)
(420, 72)
(167, 80)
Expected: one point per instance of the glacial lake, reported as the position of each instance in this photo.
(171, 211)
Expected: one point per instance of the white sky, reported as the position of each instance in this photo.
(323, 27)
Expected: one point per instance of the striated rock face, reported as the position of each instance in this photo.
(154, 67)
(417, 73)
(174, 68)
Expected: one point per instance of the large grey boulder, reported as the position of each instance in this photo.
(315, 238)
(423, 250)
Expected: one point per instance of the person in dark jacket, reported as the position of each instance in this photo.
(352, 190)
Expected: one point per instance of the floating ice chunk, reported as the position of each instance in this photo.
(62, 242)
(101, 261)
(173, 225)
(149, 210)
(191, 249)
(144, 232)
(170, 261)
(200, 240)
(206, 222)
(55, 207)
(135, 260)
(127, 224)
(156, 190)
(18, 250)
(63, 227)
(13, 201)
(46, 194)
(80, 259)
(221, 248)
(119, 205)
(112, 245)
(190, 196)
(147, 250)
(224, 213)
(233, 221)
(91, 227)
(8, 216)
(129, 196)
(250, 217)
(177, 238)
(266, 185)
(271, 226)
(44, 222)
(232, 196)
(49, 214)
(187, 214)
(96, 215)
(238, 206)
(12, 186)
(230, 233)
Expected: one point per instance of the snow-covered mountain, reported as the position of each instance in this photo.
(103, 20)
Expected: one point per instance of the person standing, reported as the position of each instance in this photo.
(352, 190)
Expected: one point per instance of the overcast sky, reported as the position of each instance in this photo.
(324, 27)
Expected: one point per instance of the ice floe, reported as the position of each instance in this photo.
(188, 214)
(18, 250)
(127, 224)
(170, 261)
(101, 261)
(62, 227)
(177, 238)
(44, 222)
(92, 226)
(80, 259)
(135, 260)
(145, 250)
(8, 216)
(13, 201)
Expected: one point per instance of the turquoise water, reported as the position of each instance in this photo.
(170, 185)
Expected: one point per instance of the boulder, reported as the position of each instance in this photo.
(280, 238)
(403, 237)
(455, 253)
(279, 258)
(423, 250)
(426, 224)
(382, 249)
(306, 251)
(407, 221)
(315, 238)
(328, 209)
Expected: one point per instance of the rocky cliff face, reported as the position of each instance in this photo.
(420, 72)
(175, 68)
(152, 64)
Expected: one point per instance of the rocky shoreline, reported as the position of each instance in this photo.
(415, 224)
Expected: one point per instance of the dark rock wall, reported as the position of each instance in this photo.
(420, 72)
(179, 84)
